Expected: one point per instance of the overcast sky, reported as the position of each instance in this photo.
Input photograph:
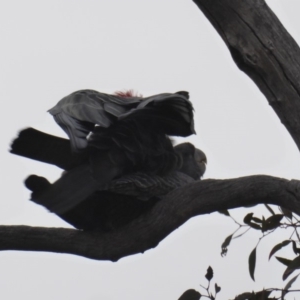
(52, 48)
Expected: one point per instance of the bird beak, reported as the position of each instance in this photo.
(200, 157)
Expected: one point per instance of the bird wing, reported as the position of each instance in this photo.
(144, 186)
(168, 113)
(78, 113)
(116, 206)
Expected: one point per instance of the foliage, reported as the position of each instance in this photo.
(265, 294)
(210, 293)
(267, 225)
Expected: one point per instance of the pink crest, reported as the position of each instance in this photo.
(128, 94)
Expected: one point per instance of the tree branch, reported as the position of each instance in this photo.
(264, 50)
(148, 230)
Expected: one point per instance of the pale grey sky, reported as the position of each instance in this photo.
(52, 48)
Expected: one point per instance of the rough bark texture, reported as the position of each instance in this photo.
(148, 230)
(264, 50)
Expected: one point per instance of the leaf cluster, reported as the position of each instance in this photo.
(209, 294)
(264, 294)
(284, 219)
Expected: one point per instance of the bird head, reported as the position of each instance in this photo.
(193, 160)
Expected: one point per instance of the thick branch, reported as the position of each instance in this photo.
(147, 231)
(264, 50)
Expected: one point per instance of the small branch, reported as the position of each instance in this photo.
(167, 215)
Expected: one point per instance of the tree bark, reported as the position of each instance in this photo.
(263, 49)
(148, 230)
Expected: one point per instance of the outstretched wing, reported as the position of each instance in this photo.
(79, 112)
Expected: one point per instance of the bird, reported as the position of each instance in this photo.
(115, 142)
(121, 200)
(80, 111)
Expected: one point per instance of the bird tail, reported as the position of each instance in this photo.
(46, 148)
(76, 185)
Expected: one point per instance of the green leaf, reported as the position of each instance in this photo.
(257, 220)
(248, 218)
(269, 209)
(294, 265)
(283, 260)
(272, 222)
(217, 288)
(209, 274)
(225, 245)
(226, 242)
(244, 296)
(275, 218)
(190, 295)
(295, 249)
(252, 262)
(254, 225)
(278, 247)
(289, 284)
(224, 212)
(263, 295)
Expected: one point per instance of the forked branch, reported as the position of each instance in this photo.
(148, 230)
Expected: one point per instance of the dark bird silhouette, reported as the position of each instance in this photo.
(118, 149)
(121, 200)
(79, 112)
